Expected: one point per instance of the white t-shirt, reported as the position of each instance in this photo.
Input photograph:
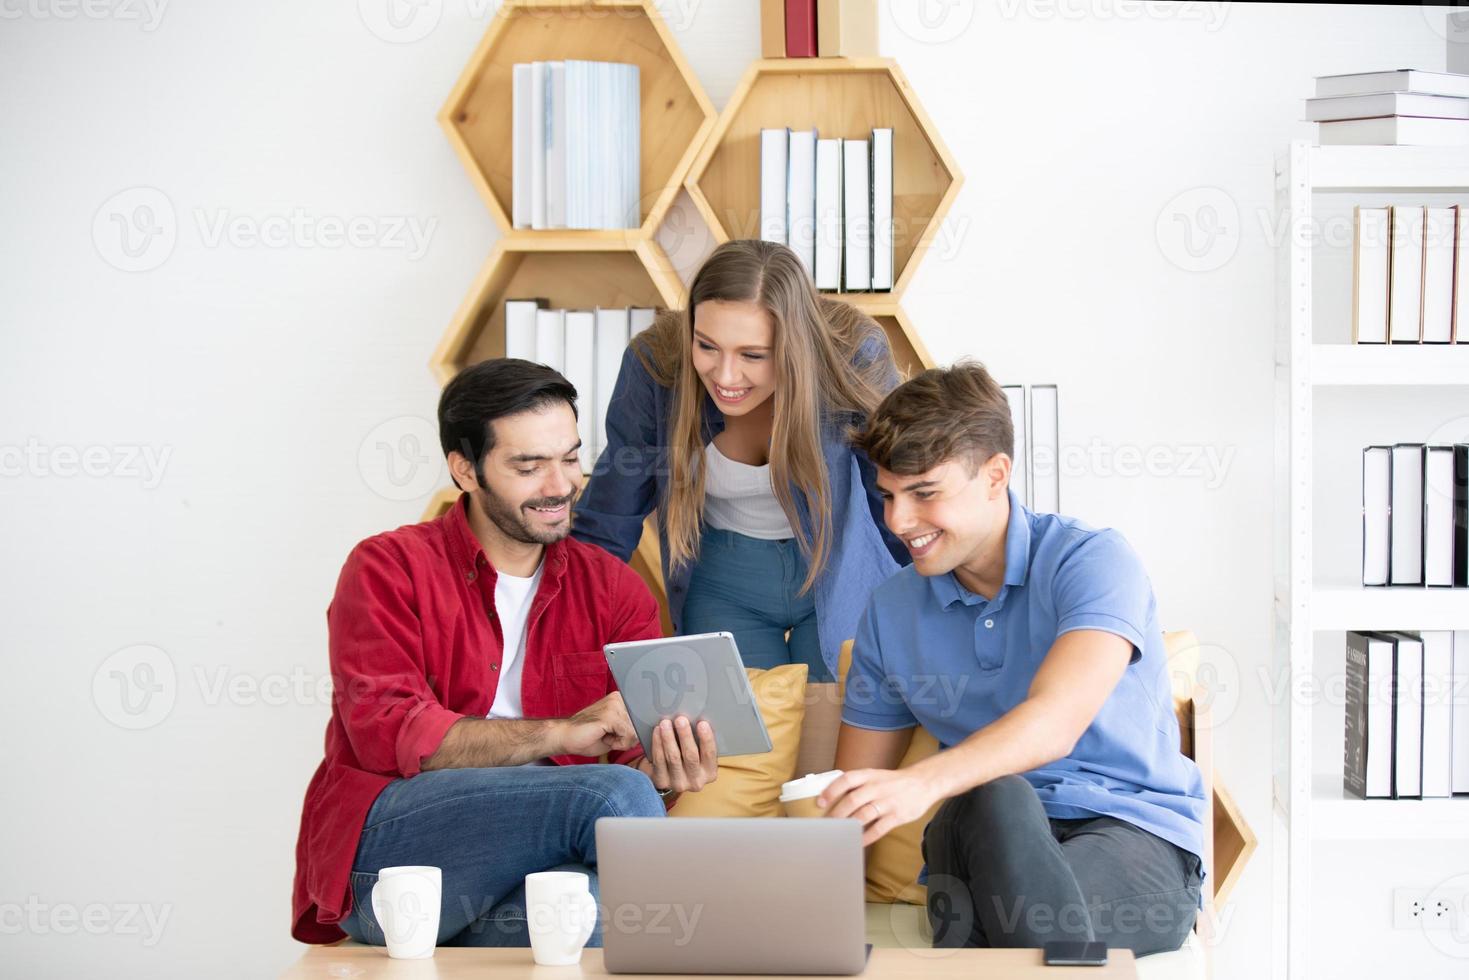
(513, 598)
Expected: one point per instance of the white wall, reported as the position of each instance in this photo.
(261, 372)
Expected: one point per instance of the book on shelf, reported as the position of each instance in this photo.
(1371, 262)
(1398, 80)
(1376, 514)
(800, 28)
(520, 327)
(1394, 131)
(1406, 509)
(774, 149)
(1459, 753)
(1438, 712)
(581, 371)
(1438, 517)
(1461, 515)
(828, 211)
(551, 339)
(1368, 762)
(882, 209)
(575, 145)
(1405, 299)
(1044, 430)
(613, 334)
(1407, 711)
(800, 196)
(1380, 104)
(772, 28)
(1438, 274)
(857, 218)
(1461, 271)
(1020, 459)
(846, 28)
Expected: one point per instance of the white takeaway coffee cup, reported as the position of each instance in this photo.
(798, 797)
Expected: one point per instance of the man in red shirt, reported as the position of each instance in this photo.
(470, 685)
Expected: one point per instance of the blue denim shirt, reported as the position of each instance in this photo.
(631, 477)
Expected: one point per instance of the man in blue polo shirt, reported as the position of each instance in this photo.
(1028, 645)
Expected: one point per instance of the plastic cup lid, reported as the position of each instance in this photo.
(808, 785)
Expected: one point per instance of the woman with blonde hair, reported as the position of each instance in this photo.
(731, 418)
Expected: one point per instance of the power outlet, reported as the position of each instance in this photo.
(1429, 908)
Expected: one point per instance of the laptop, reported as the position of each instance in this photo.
(714, 895)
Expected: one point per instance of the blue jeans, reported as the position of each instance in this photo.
(750, 587)
(486, 829)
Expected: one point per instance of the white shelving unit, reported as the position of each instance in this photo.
(1309, 802)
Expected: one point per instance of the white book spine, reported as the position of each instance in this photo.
(538, 145)
(1438, 276)
(1405, 304)
(1406, 508)
(829, 214)
(1370, 272)
(581, 371)
(1407, 773)
(556, 126)
(882, 209)
(1020, 458)
(1376, 516)
(520, 142)
(1461, 274)
(857, 217)
(774, 147)
(1438, 517)
(1438, 714)
(551, 339)
(613, 333)
(520, 328)
(632, 153)
(640, 318)
(1460, 700)
(1045, 472)
(801, 197)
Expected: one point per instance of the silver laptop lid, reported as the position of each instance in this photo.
(706, 895)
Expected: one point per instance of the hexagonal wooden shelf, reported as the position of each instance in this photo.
(844, 97)
(572, 272)
(676, 115)
(908, 349)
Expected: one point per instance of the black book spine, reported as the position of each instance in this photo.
(1354, 764)
(1461, 515)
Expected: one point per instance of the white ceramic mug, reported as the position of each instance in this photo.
(560, 914)
(405, 902)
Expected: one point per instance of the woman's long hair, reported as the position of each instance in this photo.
(817, 376)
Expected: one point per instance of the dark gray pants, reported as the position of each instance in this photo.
(1002, 873)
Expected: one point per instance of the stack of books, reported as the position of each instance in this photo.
(831, 201)
(576, 145)
(1406, 107)
(1415, 515)
(1410, 270)
(584, 345)
(1407, 735)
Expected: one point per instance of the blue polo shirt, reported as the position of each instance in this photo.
(930, 652)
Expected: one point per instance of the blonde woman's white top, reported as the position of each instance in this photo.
(739, 497)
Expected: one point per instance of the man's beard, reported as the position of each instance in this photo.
(512, 521)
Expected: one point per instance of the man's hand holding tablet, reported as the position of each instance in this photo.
(683, 757)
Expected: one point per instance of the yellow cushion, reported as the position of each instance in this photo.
(893, 863)
(749, 785)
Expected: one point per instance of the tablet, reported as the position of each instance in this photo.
(700, 677)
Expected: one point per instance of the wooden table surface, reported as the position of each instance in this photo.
(453, 963)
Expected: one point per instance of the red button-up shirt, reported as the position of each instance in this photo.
(415, 645)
